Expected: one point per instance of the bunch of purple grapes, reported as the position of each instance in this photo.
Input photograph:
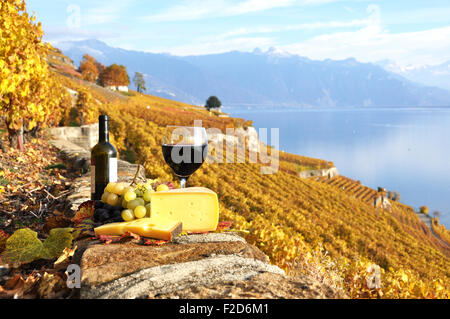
(106, 213)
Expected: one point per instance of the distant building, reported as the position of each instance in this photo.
(120, 88)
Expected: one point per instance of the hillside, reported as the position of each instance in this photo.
(303, 225)
(264, 78)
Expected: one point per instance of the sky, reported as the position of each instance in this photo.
(408, 32)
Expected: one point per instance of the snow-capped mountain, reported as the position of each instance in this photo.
(433, 75)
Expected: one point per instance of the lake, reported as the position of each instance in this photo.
(404, 150)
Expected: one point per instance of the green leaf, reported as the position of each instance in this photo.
(59, 239)
(22, 247)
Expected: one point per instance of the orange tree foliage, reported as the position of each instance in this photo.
(88, 68)
(115, 75)
(28, 94)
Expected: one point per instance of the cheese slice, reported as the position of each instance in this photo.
(113, 229)
(158, 228)
(196, 207)
(147, 227)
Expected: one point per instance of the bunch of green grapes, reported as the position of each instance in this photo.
(134, 200)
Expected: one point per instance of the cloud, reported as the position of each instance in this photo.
(305, 26)
(105, 12)
(54, 35)
(201, 9)
(374, 42)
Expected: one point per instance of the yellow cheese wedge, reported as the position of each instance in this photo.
(158, 228)
(113, 229)
(196, 207)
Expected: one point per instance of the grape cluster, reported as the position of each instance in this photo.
(106, 213)
(122, 202)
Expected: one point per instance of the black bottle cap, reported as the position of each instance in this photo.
(103, 118)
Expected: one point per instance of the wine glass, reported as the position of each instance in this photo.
(184, 149)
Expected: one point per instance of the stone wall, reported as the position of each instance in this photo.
(330, 172)
(85, 136)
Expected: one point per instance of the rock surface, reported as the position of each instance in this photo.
(194, 266)
(103, 263)
(133, 271)
(261, 286)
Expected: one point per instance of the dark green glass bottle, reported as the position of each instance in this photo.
(103, 160)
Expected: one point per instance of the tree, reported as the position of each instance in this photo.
(393, 195)
(88, 68)
(139, 82)
(115, 75)
(424, 210)
(26, 97)
(85, 108)
(437, 214)
(213, 103)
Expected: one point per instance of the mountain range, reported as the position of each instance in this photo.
(432, 75)
(269, 78)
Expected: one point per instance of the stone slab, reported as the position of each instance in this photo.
(104, 263)
(265, 285)
(173, 277)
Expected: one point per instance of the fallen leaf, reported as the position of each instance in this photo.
(114, 239)
(106, 239)
(154, 242)
(56, 222)
(3, 237)
(85, 211)
(224, 225)
(85, 229)
(17, 287)
(22, 247)
(64, 259)
(51, 286)
(59, 239)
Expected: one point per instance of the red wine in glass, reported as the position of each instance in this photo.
(184, 150)
(183, 168)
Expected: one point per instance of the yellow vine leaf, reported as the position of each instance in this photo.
(22, 247)
(59, 239)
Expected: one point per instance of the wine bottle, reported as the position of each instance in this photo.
(103, 160)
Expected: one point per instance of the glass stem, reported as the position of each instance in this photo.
(183, 181)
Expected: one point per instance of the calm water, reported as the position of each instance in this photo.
(404, 150)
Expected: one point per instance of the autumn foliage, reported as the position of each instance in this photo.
(325, 228)
(28, 93)
(88, 68)
(115, 75)
(85, 107)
